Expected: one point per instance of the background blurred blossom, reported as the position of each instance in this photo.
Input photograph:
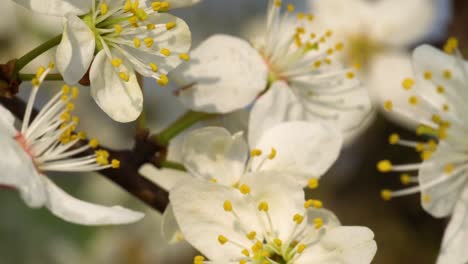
(404, 232)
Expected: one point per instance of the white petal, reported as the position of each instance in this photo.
(456, 235)
(76, 50)
(177, 40)
(213, 153)
(275, 106)
(391, 16)
(122, 101)
(79, 212)
(303, 149)
(343, 244)
(225, 74)
(182, 3)
(442, 197)
(57, 7)
(19, 172)
(198, 208)
(7, 122)
(164, 178)
(169, 227)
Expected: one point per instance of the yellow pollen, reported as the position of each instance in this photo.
(278, 242)
(222, 239)
(213, 180)
(272, 154)
(242, 261)
(448, 169)
(75, 92)
(133, 21)
(51, 65)
(405, 179)
(93, 143)
(290, 8)
(154, 67)
(447, 74)
(317, 64)
(310, 17)
(198, 260)
(137, 42)
(115, 164)
(170, 25)
(244, 189)
(393, 139)
(148, 42)
(386, 195)
(445, 107)
(124, 76)
(70, 106)
(318, 223)
(413, 100)
(329, 33)
(141, 14)
(40, 71)
(300, 30)
(184, 56)
(251, 235)
(150, 26)
(35, 82)
(425, 155)
(163, 80)
(65, 89)
(330, 51)
(451, 45)
(255, 152)
(165, 6)
(245, 252)
(263, 206)
(300, 15)
(116, 62)
(257, 246)
(427, 75)
(384, 166)
(313, 183)
(104, 8)
(128, 6)
(315, 203)
(388, 105)
(408, 83)
(227, 206)
(165, 52)
(301, 248)
(298, 219)
(426, 198)
(118, 28)
(440, 89)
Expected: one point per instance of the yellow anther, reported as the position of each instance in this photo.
(184, 56)
(405, 179)
(115, 164)
(329, 33)
(137, 42)
(445, 107)
(104, 8)
(408, 83)
(448, 168)
(133, 21)
(327, 61)
(350, 75)
(81, 135)
(313, 35)
(118, 28)
(300, 30)
(40, 71)
(426, 154)
(317, 64)
(163, 80)
(451, 45)
(301, 248)
(93, 143)
(128, 6)
(165, 52)
(65, 117)
(75, 120)
(116, 62)
(222, 239)
(101, 160)
(440, 89)
(124, 76)
(64, 98)
(255, 152)
(277, 3)
(427, 75)
(386, 195)
(426, 198)
(318, 222)
(413, 100)
(277, 242)
(263, 206)
(244, 189)
(242, 261)
(75, 92)
(313, 183)
(393, 139)
(141, 14)
(272, 154)
(257, 246)
(198, 260)
(245, 252)
(339, 46)
(165, 6)
(290, 8)
(154, 67)
(148, 42)
(35, 82)
(384, 166)
(447, 74)
(170, 25)
(251, 235)
(51, 65)
(300, 15)
(227, 206)
(213, 180)
(313, 203)
(150, 26)
(70, 106)
(298, 219)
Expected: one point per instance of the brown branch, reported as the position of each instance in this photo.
(127, 175)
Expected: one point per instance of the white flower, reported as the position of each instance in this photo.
(227, 74)
(48, 143)
(437, 102)
(113, 39)
(374, 40)
(268, 223)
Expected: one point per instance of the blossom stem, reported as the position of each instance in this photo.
(184, 122)
(172, 165)
(36, 52)
(49, 77)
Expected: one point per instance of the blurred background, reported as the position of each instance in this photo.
(404, 232)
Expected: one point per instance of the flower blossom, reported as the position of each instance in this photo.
(48, 143)
(112, 39)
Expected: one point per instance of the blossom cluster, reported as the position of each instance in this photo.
(304, 86)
